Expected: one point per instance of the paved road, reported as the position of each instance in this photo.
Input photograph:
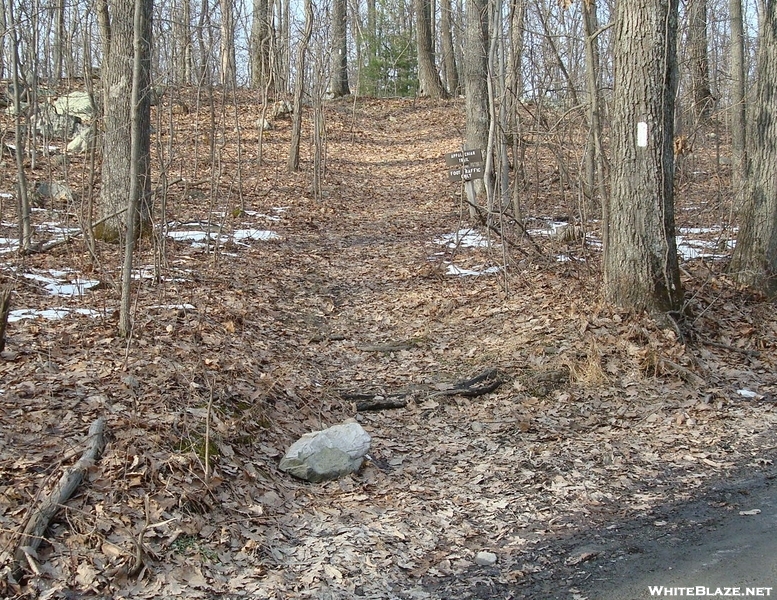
(705, 543)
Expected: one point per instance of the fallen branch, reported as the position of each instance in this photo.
(484, 383)
(730, 348)
(41, 518)
(5, 308)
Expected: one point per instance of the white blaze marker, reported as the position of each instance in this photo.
(642, 134)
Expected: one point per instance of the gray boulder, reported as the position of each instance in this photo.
(75, 104)
(50, 124)
(328, 454)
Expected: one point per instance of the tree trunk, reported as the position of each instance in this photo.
(703, 102)
(641, 270)
(261, 45)
(448, 52)
(183, 36)
(24, 205)
(299, 88)
(59, 39)
(228, 64)
(475, 68)
(738, 116)
(594, 156)
(755, 256)
(117, 76)
(141, 52)
(338, 83)
(429, 83)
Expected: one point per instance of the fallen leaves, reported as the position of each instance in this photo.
(601, 413)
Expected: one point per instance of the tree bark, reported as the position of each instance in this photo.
(429, 82)
(448, 52)
(641, 270)
(228, 64)
(754, 262)
(338, 82)
(183, 36)
(738, 105)
(261, 44)
(117, 144)
(299, 88)
(594, 157)
(475, 68)
(703, 101)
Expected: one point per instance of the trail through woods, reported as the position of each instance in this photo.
(604, 420)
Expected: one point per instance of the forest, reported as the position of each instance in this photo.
(529, 247)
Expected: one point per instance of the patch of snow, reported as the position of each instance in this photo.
(551, 228)
(72, 286)
(255, 234)
(459, 272)
(199, 237)
(8, 245)
(253, 213)
(690, 249)
(52, 314)
(463, 238)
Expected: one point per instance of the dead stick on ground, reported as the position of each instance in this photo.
(5, 308)
(70, 480)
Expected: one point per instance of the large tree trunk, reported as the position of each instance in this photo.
(641, 269)
(755, 257)
(116, 22)
(703, 101)
(261, 45)
(475, 68)
(428, 77)
(338, 83)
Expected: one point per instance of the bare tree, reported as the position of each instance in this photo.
(475, 68)
(703, 101)
(261, 44)
(117, 20)
(338, 82)
(641, 270)
(18, 87)
(754, 262)
(429, 82)
(738, 115)
(228, 65)
(448, 50)
(299, 88)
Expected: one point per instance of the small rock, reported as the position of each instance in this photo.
(485, 559)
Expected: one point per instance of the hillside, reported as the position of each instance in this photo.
(601, 418)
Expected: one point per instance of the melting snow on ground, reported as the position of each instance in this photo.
(464, 238)
(690, 248)
(200, 233)
(52, 314)
(459, 272)
(63, 283)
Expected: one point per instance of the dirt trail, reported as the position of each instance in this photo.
(595, 424)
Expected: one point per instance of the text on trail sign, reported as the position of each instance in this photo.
(462, 157)
(466, 173)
